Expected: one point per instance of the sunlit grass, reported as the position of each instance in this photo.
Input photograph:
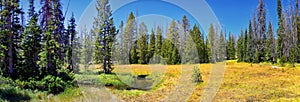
(242, 82)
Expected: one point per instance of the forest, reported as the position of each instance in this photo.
(45, 58)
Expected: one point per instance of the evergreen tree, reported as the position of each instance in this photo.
(245, 42)
(174, 37)
(106, 33)
(231, 50)
(142, 44)
(208, 53)
(159, 41)
(197, 37)
(10, 30)
(250, 47)
(203, 52)
(240, 47)
(261, 32)
(133, 59)
(151, 45)
(212, 38)
(73, 47)
(167, 51)
(221, 48)
(59, 29)
(280, 32)
(129, 39)
(271, 48)
(175, 58)
(31, 45)
(49, 58)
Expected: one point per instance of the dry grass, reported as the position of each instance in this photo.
(242, 82)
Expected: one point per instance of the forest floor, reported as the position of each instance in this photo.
(242, 82)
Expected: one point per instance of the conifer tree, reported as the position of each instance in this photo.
(142, 44)
(31, 45)
(221, 48)
(73, 52)
(11, 29)
(129, 39)
(271, 48)
(152, 45)
(159, 41)
(197, 37)
(212, 38)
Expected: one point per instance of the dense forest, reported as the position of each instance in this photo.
(43, 53)
(40, 54)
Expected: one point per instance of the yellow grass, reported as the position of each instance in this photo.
(242, 82)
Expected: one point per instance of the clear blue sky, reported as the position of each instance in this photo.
(232, 14)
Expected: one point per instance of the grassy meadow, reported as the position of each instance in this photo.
(242, 82)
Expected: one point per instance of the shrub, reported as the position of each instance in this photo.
(50, 83)
(196, 76)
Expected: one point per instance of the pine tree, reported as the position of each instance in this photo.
(49, 59)
(221, 48)
(11, 29)
(105, 35)
(159, 41)
(271, 50)
(142, 44)
(208, 53)
(212, 38)
(240, 47)
(129, 39)
(250, 47)
(152, 45)
(197, 37)
(133, 59)
(73, 52)
(59, 29)
(167, 51)
(230, 48)
(31, 45)
(280, 32)
(175, 58)
(202, 48)
(261, 31)
(174, 37)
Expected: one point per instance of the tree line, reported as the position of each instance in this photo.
(259, 43)
(39, 49)
(182, 43)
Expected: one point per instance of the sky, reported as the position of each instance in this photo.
(232, 15)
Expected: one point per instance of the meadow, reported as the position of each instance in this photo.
(242, 82)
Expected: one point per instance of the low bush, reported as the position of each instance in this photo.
(51, 84)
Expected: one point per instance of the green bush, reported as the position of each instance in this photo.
(196, 76)
(9, 92)
(50, 83)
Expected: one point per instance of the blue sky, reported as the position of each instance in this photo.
(233, 15)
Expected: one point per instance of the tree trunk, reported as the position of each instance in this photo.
(10, 54)
(10, 49)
